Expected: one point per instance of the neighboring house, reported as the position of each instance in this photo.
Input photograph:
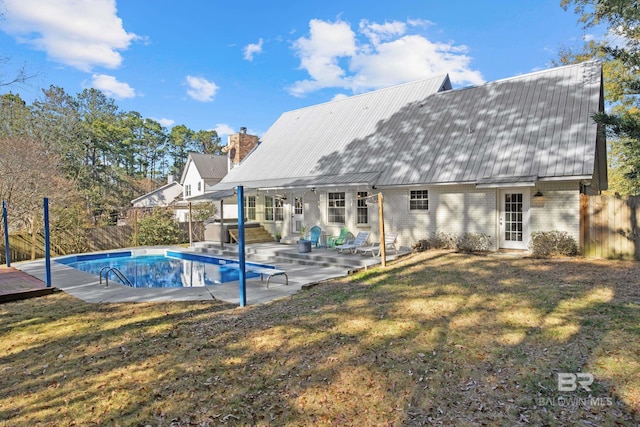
(169, 195)
(506, 158)
(162, 197)
(201, 171)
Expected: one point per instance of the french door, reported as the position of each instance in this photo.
(514, 218)
(298, 214)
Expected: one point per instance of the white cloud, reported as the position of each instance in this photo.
(252, 49)
(201, 89)
(320, 53)
(164, 122)
(379, 55)
(378, 32)
(419, 22)
(339, 96)
(223, 129)
(111, 87)
(82, 34)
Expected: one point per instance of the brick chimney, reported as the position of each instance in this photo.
(240, 144)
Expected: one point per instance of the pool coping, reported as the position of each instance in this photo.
(87, 286)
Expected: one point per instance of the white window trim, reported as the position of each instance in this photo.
(273, 208)
(366, 206)
(344, 208)
(409, 201)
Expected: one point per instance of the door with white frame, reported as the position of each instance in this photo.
(298, 214)
(514, 218)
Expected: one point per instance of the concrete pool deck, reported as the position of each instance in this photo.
(87, 287)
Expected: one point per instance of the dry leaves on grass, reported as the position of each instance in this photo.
(437, 339)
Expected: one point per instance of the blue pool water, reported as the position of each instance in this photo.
(171, 270)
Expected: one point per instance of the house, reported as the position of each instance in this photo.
(200, 172)
(163, 196)
(506, 158)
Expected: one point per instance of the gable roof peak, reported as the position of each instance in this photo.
(209, 166)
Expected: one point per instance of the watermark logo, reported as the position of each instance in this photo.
(572, 382)
(569, 382)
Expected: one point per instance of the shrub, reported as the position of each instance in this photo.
(442, 240)
(473, 242)
(159, 228)
(549, 243)
(203, 211)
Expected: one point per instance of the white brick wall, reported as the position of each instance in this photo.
(559, 209)
(454, 209)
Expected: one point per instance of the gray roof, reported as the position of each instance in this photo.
(529, 127)
(157, 190)
(209, 166)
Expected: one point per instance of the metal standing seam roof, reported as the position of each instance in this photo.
(536, 125)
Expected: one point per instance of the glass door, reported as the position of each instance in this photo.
(514, 219)
(298, 214)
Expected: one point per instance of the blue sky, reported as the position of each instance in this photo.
(222, 65)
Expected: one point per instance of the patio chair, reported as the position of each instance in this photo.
(333, 241)
(352, 245)
(314, 235)
(390, 240)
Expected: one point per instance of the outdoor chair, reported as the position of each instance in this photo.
(353, 244)
(314, 235)
(390, 240)
(333, 241)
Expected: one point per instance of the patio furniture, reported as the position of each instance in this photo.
(352, 245)
(390, 240)
(314, 235)
(333, 241)
(304, 246)
(269, 272)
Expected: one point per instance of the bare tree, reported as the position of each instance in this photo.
(29, 171)
(19, 77)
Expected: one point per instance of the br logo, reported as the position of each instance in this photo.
(569, 382)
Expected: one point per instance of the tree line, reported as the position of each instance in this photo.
(89, 157)
(619, 50)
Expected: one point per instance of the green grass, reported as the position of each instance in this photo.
(438, 338)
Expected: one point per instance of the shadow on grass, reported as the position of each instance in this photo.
(437, 338)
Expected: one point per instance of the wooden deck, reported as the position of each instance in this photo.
(16, 285)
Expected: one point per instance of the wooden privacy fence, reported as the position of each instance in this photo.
(609, 226)
(83, 240)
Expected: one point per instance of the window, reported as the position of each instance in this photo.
(268, 208)
(298, 206)
(250, 206)
(363, 209)
(336, 208)
(187, 190)
(419, 200)
(279, 210)
(199, 186)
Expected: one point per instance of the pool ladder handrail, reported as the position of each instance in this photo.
(115, 271)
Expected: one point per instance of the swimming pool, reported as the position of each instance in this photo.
(166, 269)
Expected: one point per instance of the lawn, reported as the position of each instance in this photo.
(438, 338)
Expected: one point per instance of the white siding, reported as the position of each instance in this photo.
(559, 209)
(192, 177)
(454, 209)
